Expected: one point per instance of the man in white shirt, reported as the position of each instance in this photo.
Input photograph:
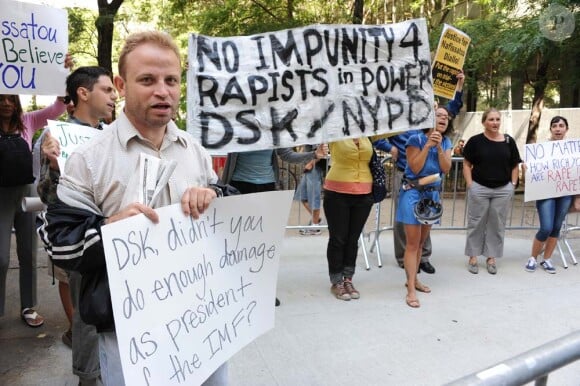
(100, 184)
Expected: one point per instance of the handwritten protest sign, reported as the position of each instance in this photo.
(449, 60)
(69, 136)
(188, 294)
(314, 84)
(34, 46)
(552, 169)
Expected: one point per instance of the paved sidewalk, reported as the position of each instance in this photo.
(467, 323)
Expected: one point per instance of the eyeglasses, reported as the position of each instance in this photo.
(442, 116)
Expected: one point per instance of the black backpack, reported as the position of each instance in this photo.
(15, 161)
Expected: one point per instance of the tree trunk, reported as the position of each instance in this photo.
(290, 10)
(358, 12)
(471, 92)
(538, 104)
(105, 25)
(517, 89)
(569, 88)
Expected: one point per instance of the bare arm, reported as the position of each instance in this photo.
(515, 175)
(467, 166)
(444, 159)
(291, 156)
(416, 157)
(50, 149)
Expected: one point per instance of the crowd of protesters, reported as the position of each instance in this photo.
(422, 158)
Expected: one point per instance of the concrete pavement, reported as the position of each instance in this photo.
(467, 323)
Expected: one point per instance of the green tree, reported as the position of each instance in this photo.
(505, 44)
(105, 24)
(82, 35)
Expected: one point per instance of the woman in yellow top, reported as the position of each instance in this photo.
(347, 204)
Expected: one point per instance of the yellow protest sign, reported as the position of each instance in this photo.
(449, 60)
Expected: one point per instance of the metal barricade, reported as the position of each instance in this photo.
(533, 365)
(522, 215)
(568, 228)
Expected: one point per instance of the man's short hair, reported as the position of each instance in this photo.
(136, 39)
(85, 77)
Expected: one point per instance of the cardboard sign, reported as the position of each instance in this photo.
(449, 60)
(34, 43)
(552, 169)
(314, 84)
(188, 294)
(69, 136)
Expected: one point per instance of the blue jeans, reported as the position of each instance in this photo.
(552, 212)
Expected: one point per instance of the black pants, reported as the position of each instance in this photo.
(346, 215)
(248, 187)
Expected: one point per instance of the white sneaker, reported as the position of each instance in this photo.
(531, 265)
(312, 231)
(548, 267)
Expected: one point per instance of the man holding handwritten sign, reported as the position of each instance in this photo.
(93, 94)
(101, 183)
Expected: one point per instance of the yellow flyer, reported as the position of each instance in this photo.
(449, 60)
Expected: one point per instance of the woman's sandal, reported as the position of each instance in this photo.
(421, 287)
(413, 303)
(31, 318)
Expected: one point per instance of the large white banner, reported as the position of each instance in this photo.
(69, 136)
(552, 169)
(188, 294)
(314, 84)
(33, 50)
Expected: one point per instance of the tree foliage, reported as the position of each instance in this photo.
(506, 41)
(508, 48)
(82, 38)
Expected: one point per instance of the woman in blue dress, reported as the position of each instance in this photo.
(428, 155)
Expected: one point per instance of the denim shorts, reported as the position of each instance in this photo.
(309, 188)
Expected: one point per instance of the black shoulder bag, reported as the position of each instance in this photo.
(379, 178)
(15, 161)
